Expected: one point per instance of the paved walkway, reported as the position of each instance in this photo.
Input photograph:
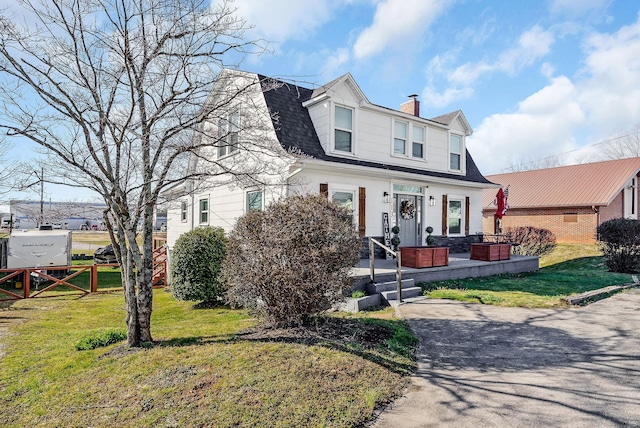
(487, 366)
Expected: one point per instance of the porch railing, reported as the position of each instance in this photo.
(398, 256)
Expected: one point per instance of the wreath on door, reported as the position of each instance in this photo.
(407, 210)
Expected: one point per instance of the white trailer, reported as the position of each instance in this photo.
(39, 248)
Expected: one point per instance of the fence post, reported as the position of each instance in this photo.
(26, 282)
(94, 278)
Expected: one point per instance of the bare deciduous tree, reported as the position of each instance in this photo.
(540, 163)
(621, 146)
(119, 93)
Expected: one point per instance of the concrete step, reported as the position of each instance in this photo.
(379, 287)
(387, 296)
(395, 303)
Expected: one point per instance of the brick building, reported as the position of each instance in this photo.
(571, 201)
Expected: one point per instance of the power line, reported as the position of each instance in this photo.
(503, 170)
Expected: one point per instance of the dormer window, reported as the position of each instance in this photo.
(228, 129)
(400, 138)
(455, 152)
(343, 129)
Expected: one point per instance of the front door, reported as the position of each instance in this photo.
(408, 219)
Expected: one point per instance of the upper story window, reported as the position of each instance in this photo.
(400, 138)
(254, 200)
(418, 140)
(455, 152)
(228, 129)
(183, 211)
(343, 129)
(204, 211)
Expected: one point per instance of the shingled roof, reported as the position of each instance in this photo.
(589, 184)
(296, 132)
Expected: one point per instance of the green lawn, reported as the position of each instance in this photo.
(203, 370)
(570, 269)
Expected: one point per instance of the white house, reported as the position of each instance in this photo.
(378, 161)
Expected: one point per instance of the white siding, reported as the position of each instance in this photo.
(310, 179)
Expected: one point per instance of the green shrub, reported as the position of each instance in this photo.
(619, 241)
(292, 260)
(531, 241)
(358, 294)
(196, 262)
(97, 339)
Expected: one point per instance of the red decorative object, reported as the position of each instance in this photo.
(423, 257)
(490, 252)
(501, 203)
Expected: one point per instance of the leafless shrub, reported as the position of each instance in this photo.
(531, 241)
(292, 260)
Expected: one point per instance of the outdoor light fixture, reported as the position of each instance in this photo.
(432, 201)
(385, 197)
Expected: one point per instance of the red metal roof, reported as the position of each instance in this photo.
(589, 184)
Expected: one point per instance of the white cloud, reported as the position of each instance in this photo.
(396, 23)
(610, 90)
(438, 100)
(334, 62)
(279, 20)
(532, 45)
(544, 123)
(579, 8)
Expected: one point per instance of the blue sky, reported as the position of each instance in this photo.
(534, 78)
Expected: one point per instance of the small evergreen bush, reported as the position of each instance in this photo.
(531, 241)
(292, 260)
(97, 339)
(196, 263)
(619, 241)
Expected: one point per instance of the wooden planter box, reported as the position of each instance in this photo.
(422, 257)
(490, 252)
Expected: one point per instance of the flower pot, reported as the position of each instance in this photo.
(490, 252)
(423, 257)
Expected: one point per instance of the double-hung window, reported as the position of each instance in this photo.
(418, 139)
(254, 200)
(228, 129)
(183, 211)
(343, 137)
(400, 138)
(455, 152)
(204, 211)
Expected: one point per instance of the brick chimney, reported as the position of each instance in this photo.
(412, 106)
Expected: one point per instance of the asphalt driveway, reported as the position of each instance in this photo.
(487, 366)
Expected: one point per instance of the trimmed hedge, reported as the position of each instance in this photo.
(619, 241)
(196, 262)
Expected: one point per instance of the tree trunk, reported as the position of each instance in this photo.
(145, 277)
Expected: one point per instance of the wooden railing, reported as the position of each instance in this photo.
(27, 275)
(396, 254)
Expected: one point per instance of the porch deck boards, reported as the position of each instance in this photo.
(460, 266)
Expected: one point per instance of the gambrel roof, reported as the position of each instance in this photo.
(585, 185)
(296, 132)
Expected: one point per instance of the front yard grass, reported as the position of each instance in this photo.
(207, 368)
(569, 269)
